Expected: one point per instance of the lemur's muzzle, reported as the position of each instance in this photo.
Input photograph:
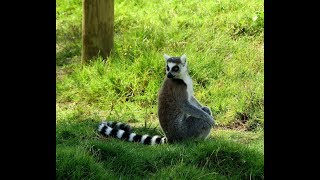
(169, 75)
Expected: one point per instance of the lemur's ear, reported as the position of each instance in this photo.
(166, 56)
(183, 58)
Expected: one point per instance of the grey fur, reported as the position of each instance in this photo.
(180, 114)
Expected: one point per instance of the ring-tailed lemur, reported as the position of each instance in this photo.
(181, 116)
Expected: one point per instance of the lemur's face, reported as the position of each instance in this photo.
(176, 67)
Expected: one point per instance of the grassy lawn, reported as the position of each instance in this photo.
(223, 41)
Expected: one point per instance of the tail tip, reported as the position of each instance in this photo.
(164, 140)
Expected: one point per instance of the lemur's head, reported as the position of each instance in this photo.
(176, 67)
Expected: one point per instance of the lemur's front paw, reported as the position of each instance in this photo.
(207, 110)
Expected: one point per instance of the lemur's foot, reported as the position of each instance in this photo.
(207, 110)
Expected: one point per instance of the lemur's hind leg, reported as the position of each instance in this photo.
(197, 128)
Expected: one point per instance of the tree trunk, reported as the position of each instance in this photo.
(97, 28)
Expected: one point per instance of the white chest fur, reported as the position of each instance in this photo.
(188, 81)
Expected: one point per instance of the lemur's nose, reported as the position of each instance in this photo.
(169, 75)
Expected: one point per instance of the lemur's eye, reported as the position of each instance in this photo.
(175, 68)
(168, 68)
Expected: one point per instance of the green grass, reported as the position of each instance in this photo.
(83, 154)
(223, 41)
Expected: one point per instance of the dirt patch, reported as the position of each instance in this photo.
(237, 125)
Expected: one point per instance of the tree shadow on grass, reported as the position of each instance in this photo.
(68, 43)
(67, 54)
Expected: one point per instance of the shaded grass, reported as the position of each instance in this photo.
(82, 153)
(77, 163)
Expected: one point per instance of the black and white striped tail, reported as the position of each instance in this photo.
(118, 125)
(106, 130)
